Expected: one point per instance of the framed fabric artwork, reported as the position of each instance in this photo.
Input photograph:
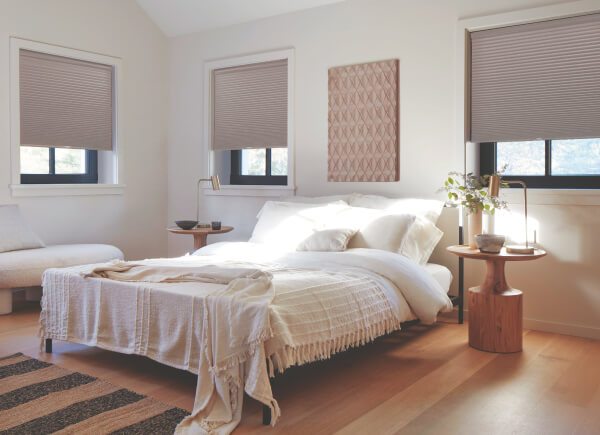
(363, 122)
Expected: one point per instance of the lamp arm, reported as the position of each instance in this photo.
(525, 194)
(198, 198)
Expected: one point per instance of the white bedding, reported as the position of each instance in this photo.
(359, 294)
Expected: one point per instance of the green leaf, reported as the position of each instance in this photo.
(449, 195)
(461, 188)
(450, 180)
(487, 206)
(493, 211)
(445, 183)
(483, 192)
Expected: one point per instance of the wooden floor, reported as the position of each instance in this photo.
(424, 380)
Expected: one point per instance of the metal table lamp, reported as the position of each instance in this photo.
(214, 180)
(494, 190)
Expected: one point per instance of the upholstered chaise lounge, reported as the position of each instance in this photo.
(23, 257)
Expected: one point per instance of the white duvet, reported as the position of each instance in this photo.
(315, 304)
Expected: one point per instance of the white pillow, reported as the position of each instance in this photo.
(377, 229)
(316, 199)
(333, 240)
(430, 209)
(14, 232)
(421, 240)
(284, 225)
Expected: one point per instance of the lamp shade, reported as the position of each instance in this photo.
(494, 186)
(215, 182)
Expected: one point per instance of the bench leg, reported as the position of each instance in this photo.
(48, 345)
(266, 415)
(5, 300)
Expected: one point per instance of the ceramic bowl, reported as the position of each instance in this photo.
(489, 243)
(186, 225)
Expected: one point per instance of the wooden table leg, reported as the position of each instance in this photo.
(199, 240)
(496, 312)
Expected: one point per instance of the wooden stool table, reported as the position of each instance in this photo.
(199, 234)
(495, 309)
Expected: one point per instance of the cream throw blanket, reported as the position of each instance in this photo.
(226, 332)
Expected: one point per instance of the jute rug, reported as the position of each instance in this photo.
(37, 397)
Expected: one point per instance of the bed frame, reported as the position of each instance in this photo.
(457, 301)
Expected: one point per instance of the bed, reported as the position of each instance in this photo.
(234, 313)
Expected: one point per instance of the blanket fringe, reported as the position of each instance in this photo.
(252, 347)
(297, 355)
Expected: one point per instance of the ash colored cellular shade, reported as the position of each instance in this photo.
(536, 81)
(250, 106)
(65, 102)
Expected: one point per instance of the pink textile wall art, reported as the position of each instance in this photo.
(363, 122)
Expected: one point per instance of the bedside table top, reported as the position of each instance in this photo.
(467, 252)
(177, 230)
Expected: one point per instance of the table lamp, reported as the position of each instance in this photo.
(494, 191)
(214, 180)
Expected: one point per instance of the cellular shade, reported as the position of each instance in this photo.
(536, 81)
(64, 102)
(250, 106)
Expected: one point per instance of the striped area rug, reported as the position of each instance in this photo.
(37, 397)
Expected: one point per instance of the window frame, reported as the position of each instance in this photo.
(488, 165)
(238, 179)
(113, 180)
(89, 177)
(209, 163)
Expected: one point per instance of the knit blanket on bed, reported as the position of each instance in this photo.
(280, 315)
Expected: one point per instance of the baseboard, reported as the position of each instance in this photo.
(546, 326)
(562, 328)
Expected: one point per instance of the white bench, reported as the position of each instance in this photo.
(24, 268)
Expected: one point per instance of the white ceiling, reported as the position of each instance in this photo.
(178, 17)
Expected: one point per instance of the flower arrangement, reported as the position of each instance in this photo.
(471, 193)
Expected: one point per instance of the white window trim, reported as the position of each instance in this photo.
(208, 154)
(467, 152)
(18, 189)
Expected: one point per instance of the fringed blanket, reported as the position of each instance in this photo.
(224, 332)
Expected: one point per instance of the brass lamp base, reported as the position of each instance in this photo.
(514, 249)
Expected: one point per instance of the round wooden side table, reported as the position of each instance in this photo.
(199, 234)
(495, 308)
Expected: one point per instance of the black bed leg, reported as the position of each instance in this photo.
(48, 345)
(461, 279)
(461, 290)
(266, 415)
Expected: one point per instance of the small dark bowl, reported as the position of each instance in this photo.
(186, 225)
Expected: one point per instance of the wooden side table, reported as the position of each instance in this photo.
(200, 234)
(495, 309)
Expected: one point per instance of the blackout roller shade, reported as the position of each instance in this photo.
(65, 102)
(250, 105)
(536, 81)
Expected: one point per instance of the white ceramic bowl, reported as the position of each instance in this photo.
(489, 243)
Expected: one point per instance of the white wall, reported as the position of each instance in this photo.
(561, 291)
(134, 221)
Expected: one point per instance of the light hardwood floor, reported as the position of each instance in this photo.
(424, 380)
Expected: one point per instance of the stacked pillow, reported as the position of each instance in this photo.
(283, 225)
(423, 236)
(405, 226)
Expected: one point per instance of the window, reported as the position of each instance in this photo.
(63, 120)
(538, 80)
(560, 164)
(266, 166)
(249, 111)
(40, 165)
